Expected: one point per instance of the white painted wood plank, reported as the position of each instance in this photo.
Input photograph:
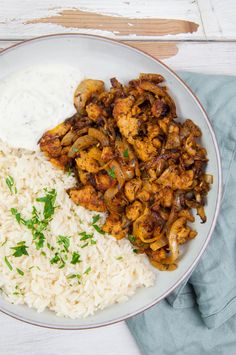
(212, 58)
(205, 57)
(17, 338)
(219, 18)
(14, 15)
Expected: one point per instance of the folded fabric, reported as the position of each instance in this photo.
(208, 298)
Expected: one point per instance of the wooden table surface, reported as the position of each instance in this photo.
(193, 35)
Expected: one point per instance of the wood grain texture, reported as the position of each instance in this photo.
(20, 19)
(216, 20)
(209, 58)
(160, 50)
(17, 338)
(205, 57)
(218, 17)
(119, 25)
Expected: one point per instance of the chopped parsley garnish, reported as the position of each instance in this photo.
(20, 272)
(75, 258)
(33, 267)
(96, 218)
(17, 215)
(18, 291)
(131, 238)
(11, 185)
(3, 243)
(88, 237)
(55, 259)
(88, 270)
(38, 224)
(50, 247)
(65, 241)
(135, 251)
(74, 276)
(111, 172)
(85, 245)
(119, 258)
(95, 226)
(49, 203)
(98, 229)
(69, 171)
(8, 264)
(74, 149)
(85, 236)
(126, 153)
(20, 249)
(58, 259)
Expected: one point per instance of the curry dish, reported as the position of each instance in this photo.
(135, 162)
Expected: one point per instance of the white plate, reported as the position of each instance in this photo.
(100, 58)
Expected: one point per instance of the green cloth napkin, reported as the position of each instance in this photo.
(200, 316)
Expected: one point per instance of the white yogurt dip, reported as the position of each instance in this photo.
(34, 100)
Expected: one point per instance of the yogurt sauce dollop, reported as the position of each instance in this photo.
(34, 100)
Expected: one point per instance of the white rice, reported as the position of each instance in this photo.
(116, 271)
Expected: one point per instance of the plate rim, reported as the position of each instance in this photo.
(219, 187)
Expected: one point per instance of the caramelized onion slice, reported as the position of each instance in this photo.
(81, 143)
(99, 135)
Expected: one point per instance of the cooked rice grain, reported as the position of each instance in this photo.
(111, 279)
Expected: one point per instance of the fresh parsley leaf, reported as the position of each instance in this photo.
(58, 259)
(131, 238)
(20, 249)
(8, 263)
(75, 258)
(111, 172)
(74, 276)
(85, 236)
(55, 259)
(62, 264)
(65, 241)
(33, 267)
(96, 218)
(88, 237)
(3, 243)
(11, 185)
(20, 272)
(38, 224)
(87, 271)
(135, 251)
(74, 149)
(126, 153)
(39, 239)
(49, 203)
(85, 245)
(17, 215)
(119, 258)
(50, 247)
(69, 171)
(98, 229)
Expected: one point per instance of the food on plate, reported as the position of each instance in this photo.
(51, 253)
(34, 99)
(134, 161)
